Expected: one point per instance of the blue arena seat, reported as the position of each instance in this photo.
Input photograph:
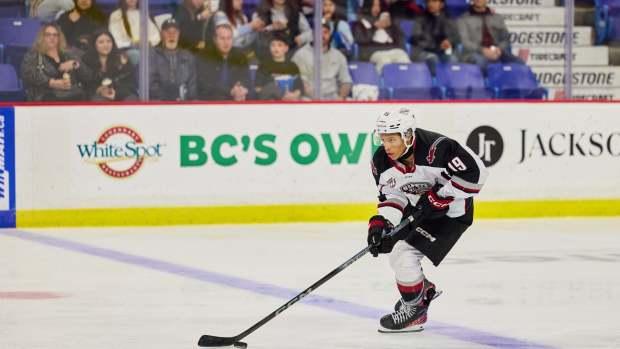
(514, 81)
(613, 29)
(461, 81)
(366, 73)
(16, 37)
(10, 87)
(409, 81)
(406, 26)
(363, 73)
(249, 7)
(12, 8)
(604, 10)
(455, 8)
(18, 31)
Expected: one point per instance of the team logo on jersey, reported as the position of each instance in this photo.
(119, 152)
(391, 182)
(416, 188)
(433, 149)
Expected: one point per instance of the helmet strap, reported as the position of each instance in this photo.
(409, 150)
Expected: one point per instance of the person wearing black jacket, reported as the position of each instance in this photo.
(278, 78)
(193, 18)
(173, 69)
(112, 77)
(434, 36)
(223, 71)
(80, 23)
(380, 40)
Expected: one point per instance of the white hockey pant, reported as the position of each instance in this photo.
(405, 261)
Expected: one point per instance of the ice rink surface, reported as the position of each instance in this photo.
(552, 283)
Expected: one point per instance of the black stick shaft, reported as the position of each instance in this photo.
(314, 286)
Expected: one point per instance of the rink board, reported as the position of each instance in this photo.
(524, 16)
(224, 163)
(554, 56)
(591, 77)
(586, 93)
(498, 5)
(548, 36)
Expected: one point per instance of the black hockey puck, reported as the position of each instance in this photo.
(240, 345)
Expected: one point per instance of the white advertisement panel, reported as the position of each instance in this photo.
(554, 56)
(205, 155)
(548, 36)
(587, 93)
(537, 16)
(497, 4)
(599, 77)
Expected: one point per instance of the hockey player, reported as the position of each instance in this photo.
(415, 169)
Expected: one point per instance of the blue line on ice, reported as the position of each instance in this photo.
(340, 306)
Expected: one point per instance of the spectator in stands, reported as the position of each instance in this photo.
(244, 31)
(278, 77)
(50, 73)
(434, 36)
(307, 8)
(223, 71)
(335, 78)
(193, 17)
(342, 37)
(404, 9)
(484, 36)
(49, 10)
(81, 22)
(125, 28)
(380, 41)
(172, 69)
(282, 17)
(112, 77)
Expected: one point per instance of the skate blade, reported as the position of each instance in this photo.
(437, 293)
(416, 328)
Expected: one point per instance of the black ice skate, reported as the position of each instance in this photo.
(410, 317)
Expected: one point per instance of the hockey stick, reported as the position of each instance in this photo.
(214, 341)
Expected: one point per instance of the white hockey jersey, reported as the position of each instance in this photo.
(437, 159)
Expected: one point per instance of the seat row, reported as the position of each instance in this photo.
(451, 81)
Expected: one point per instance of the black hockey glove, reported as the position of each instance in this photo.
(376, 240)
(432, 205)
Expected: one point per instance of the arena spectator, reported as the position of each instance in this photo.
(335, 78)
(172, 69)
(404, 9)
(50, 73)
(484, 36)
(223, 72)
(112, 76)
(380, 41)
(193, 17)
(282, 17)
(80, 23)
(125, 28)
(49, 10)
(278, 77)
(342, 37)
(434, 36)
(244, 31)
